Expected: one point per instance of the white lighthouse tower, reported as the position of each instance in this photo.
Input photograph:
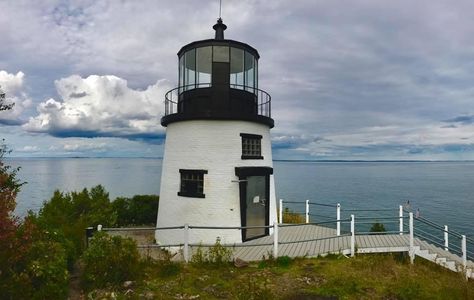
(217, 163)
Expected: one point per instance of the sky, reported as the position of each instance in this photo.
(351, 80)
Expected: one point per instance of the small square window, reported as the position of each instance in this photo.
(251, 146)
(192, 183)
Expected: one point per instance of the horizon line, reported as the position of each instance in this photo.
(278, 160)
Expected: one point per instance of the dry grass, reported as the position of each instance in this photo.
(290, 217)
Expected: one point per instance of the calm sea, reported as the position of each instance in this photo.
(442, 191)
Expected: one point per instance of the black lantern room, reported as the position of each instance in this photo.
(218, 80)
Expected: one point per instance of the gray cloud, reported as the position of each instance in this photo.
(345, 80)
(464, 120)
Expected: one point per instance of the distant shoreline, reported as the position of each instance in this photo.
(275, 160)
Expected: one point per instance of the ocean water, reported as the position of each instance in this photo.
(442, 191)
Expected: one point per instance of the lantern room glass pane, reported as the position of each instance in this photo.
(221, 54)
(190, 67)
(256, 75)
(181, 73)
(249, 72)
(236, 68)
(204, 66)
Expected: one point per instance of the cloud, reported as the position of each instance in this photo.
(29, 149)
(464, 120)
(367, 79)
(101, 106)
(12, 85)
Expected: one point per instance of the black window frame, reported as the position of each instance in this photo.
(255, 137)
(194, 191)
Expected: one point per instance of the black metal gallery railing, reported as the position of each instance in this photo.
(174, 99)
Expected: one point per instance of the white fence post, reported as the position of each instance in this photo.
(281, 211)
(338, 218)
(412, 249)
(352, 235)
(275, 239)
(186, 243)
(307, 211)
(99, 227)
(400, 214)
(464, 251)
(446, 241)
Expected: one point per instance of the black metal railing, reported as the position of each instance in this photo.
(174, 97)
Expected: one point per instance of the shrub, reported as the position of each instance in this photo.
(377, 227)
(291, 217)
(47, 270)
(216, 255)
(138, 210)
(283, 261)
(110, 260)
(68, 214)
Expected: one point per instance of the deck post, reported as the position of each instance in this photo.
(99, 227)
(307, 211)
(275, 239)
(338, 218)
(400, 214)
(464, 251)
(352, 235)
(186, 242)
(281, 211)
(446, 242)
(412, 247)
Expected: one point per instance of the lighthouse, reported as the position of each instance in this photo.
(217, 165)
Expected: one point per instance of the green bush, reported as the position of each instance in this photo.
(283, 261)
(68, 214)
(216, 255)
(47, 271)
(377, 227)
(110, 260)
(138, 210)
(38, 269)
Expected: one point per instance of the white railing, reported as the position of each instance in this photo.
(412, 230)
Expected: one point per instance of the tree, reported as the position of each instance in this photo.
(3, 105)
(32, 262)
(11, 238)
(9, 187)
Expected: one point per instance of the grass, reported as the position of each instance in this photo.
(387, 276)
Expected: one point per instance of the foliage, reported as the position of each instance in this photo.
(110, 260)
(32, 264)
(216, 255)
(3, 104)
(377, 227)
(67, 216)
(283, 261)
(291, 217)
(138, 210)
(252, 289)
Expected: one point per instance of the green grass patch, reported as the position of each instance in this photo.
(331, 277)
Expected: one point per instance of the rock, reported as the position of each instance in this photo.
(240, 263)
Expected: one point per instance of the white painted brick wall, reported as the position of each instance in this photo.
(214, 146)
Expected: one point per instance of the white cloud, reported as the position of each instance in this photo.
(29, 149)
(12, 86)
(101, 106)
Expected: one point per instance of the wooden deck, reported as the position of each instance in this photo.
(290, 244)
(328, 242)
(312, 241)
